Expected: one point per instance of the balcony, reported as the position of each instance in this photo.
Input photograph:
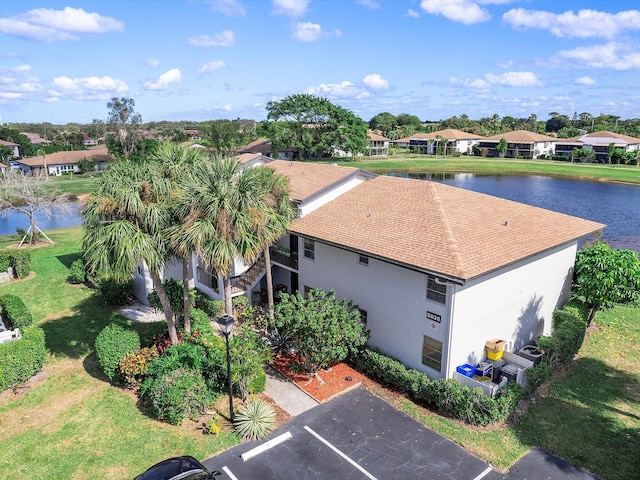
(289, 259)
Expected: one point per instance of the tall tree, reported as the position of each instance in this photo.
(31, 194)
(385, 122)
(124, 121)
(225, 136)
(224, 207)
(125, 222)
(316, 126)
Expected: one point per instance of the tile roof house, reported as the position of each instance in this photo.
(521, 143)
(14, 146)
(598, 142)
(378, 144)
(428, 143)
(66, 162)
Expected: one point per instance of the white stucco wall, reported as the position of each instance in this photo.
(515, 304)
(393, 297)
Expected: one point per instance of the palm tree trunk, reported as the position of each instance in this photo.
(166, 307)
(270, 302)
(228, 304)
(185, 295)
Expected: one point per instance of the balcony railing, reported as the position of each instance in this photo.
(288, 260)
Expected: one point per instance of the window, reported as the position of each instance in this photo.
(363, 317)
(432, 353)
(309, 249)
(140, 271)
(436, 291)
(362, 260)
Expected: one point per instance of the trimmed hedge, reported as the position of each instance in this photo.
(569, 327)
(113, 344)
(19, 260)
(449, 396)
(23, 358)
(15, 312)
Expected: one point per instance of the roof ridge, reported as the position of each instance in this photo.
(454, 249)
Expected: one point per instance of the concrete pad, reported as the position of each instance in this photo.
(539, 464)
(289, 397)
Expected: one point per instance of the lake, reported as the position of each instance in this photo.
(613, 204)
(11, 220)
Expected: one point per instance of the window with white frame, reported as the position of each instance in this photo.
(436, 291)
(309, 249)
(432, 353)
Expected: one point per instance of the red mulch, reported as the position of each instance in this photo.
(336, 380)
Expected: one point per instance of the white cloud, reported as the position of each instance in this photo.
(164, 80)
(586, 24)
(585, 81)
(231, 8)
(463, 11)
(222, 39)
(345, 89)
(48, 25)
(87, 88)
(307, 31)
(18, 82)
(412, 13)
(611, 55)
(375, 82)
(212, 66)
(152, 62)
(291, 8)
(509, 79)
(372, 4)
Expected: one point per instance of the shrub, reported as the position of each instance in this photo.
(133, 368)
(242, 308)
(213, 308)
(567, 334)
(248, 355)
(258, 383)
(177, 395)
(21, 263)
(5, 261)
(200, 323)
(114, 293)
(537, 375)
(255, 420)
(14, 310)
(77, 272)
(173, 289)
(449, 396)
(23, 358)
(113, 344)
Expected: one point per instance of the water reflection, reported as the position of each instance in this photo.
(11, 220)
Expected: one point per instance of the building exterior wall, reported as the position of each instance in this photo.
(515, 304)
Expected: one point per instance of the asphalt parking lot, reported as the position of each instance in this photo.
(355, 436)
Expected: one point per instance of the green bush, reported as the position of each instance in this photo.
(249, 353)
(255, 420)
(114, 293)
(15, 312)
(213, 308)
(21, 263)
(77, 273)
(258, 383)
(449, 396)
(173, 289)
(23, 358)
(5, 260)
(242, 308)
(177, 395)
(201, 323)
(133, 368)
(113, 344)
(537, 375)
(567, 334)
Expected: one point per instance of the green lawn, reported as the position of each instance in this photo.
(78, 426)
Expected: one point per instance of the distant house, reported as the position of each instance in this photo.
(66, 162)
(599, 143)
(35, 138)
(194, 135)
(429, 143)
(264, 147)
(521, 143)
(378, 144)
(14, 146)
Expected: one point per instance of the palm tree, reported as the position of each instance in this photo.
(124, 224)
(173, 160)
(224, 208)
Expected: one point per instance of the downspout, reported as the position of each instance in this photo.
(450, 331)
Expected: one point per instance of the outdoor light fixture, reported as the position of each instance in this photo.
(226, 326)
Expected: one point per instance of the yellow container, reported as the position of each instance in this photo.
(493, 355)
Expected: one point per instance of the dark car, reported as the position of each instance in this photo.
(178, 468)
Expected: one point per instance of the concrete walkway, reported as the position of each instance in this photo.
(289, 397)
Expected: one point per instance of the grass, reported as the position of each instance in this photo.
(74, 184)
(421, 163)
(76, 424)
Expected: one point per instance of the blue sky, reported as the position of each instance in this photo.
(61, 61)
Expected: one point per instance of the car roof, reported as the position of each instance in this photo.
(173, 469)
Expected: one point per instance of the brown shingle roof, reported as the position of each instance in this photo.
(438, 228)
(618, 136)
(306, 179)
(452, 134)
(69, 158)
(520, 136)
(373, 136)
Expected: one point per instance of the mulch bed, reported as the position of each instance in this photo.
(326, 384)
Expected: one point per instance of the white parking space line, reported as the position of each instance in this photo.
(484, 474)
(326, 442)
(228, 472)
(265, 446)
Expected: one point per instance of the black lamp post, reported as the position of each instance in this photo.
(226, 326)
